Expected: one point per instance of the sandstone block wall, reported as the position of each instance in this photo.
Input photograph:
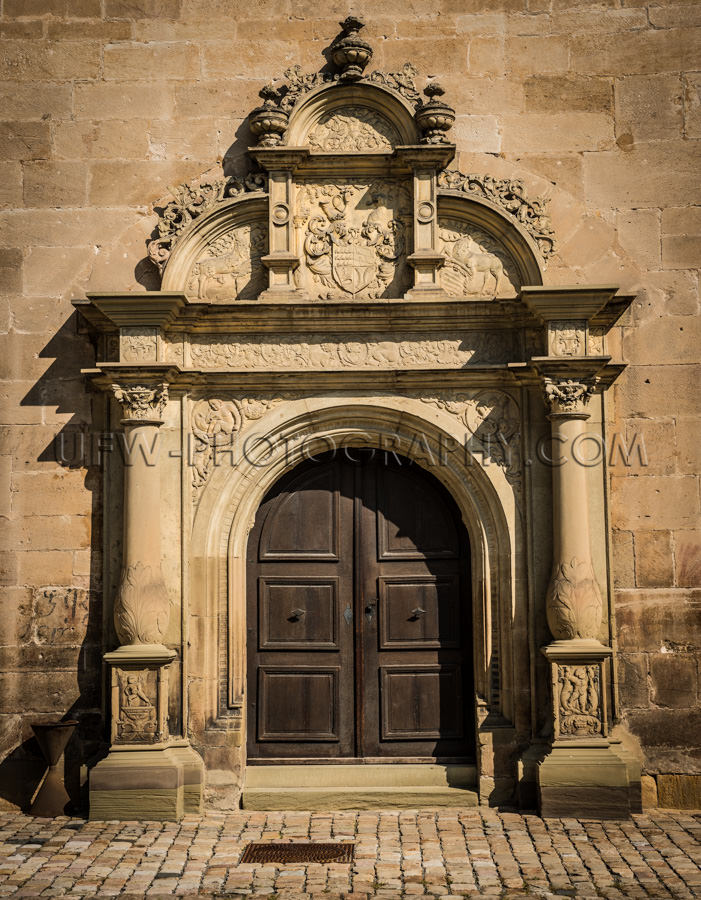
(107, 103)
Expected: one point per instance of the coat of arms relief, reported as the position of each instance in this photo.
(354, 237)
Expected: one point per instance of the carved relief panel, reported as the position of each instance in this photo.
(352, 237)
(352, 129)
(230, 267)
(476, 265)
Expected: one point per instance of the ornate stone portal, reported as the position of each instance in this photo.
(353, 289)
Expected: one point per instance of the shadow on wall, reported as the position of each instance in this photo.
(52, 664)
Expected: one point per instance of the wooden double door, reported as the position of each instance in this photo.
(358, 615)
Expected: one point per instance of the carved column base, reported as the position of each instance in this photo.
(147, 774)
(581, 775)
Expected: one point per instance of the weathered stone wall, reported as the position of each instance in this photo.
(107, 103)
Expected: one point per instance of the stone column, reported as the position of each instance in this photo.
(146, 771)
(581, 775)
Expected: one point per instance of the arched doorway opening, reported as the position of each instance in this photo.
(359, 616)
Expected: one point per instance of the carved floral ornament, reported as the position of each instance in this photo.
(491, 418)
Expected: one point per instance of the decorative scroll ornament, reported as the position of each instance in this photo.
(300, 83)
(142, 402)
(355, 236)
(567, 395)
(512, 196)
(353, 129)
(192, 202)
(579, 700)
(573, 601)
(142, 607)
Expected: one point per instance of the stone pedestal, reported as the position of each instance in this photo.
(581, 775)
(147, 774)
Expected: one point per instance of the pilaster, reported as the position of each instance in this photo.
(142, 771)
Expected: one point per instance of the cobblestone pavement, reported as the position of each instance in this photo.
(426, 853)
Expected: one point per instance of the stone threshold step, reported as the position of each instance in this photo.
(361, 776)
(325, 799)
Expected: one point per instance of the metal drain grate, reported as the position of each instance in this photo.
(308, 852)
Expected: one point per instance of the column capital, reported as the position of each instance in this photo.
(142, 403)
(568, 396)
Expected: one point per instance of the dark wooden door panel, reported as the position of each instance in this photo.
(304, 523)
(413, 520)
(298, 704)
(298, 612)
(419, 612)
(421, 703)
(359, 630)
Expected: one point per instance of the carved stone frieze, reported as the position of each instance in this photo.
(354, 237)
(475, 264)
(579, 700)
(142, 402)
(566, 395)
(230, 267)
(352, 129)
(373, 351)
(573, 601)
(190, 203)
(512, 196)
(138, 344)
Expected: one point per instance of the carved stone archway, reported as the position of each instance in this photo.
(352, 286)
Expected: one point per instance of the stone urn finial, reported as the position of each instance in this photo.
(349, 51)
(269, 122)
(435, 117)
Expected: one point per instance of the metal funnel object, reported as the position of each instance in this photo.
(52, 797)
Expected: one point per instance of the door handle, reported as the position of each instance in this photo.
(297, 615)
(348, 614)
(370, 610)
(417, 612)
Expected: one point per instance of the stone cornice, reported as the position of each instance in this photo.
(565, 302)
(172, 311)
(394, 381)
